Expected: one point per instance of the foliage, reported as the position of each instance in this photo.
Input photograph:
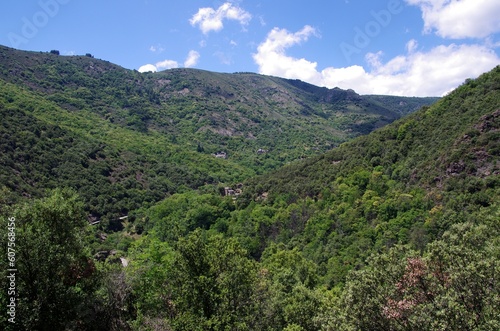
(313, 226)
(395, 230)
(453, 286)
(182, 213)
(55, 275)
(114, 169)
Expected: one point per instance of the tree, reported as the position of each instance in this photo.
(285, 297)
(148, 272)
(54, 274)
(453, 286)
(212, 281)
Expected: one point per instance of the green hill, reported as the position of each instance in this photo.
(456, 138)
(124, 139)
(404, 183)
(239, 112)
(395, 229)
(113, 168)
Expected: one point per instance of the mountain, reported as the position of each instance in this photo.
(406, 182)
(123, 138)
(393, 230)
(413, 183)
(456, 138)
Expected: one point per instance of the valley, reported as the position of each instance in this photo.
(236, 196)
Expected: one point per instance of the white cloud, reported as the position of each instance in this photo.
(157, 49)
(162, 65)
(272, 59)
(262, 21)
(147, 68)
(167, 64)
(411, 46)
(460, 18)
(192, 59)
(373, 59)
(209, 19)
(431, 73)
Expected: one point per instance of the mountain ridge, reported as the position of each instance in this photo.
(397, 229)
(189, 114)
(401, 131)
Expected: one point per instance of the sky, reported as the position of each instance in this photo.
(393, 47)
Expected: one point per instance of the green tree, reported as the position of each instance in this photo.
(181, 213)
(54, 272)
(212, 283)
(454, 286)
(148, 273)
(285, 296)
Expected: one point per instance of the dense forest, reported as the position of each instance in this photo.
(391, 223)
(124, 140)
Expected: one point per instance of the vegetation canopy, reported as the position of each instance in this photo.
(191, 200)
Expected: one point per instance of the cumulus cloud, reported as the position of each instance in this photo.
(460, 18)
(416, 73)
(432, 73)
(272, 59)
(147, 68)
(157, 48)
(209, 19)
(167, 64)
(192, 59)
(162, 65)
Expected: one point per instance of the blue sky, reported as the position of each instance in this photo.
(398, 47)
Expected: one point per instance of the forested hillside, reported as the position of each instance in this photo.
(125, 139)
(397, 229)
